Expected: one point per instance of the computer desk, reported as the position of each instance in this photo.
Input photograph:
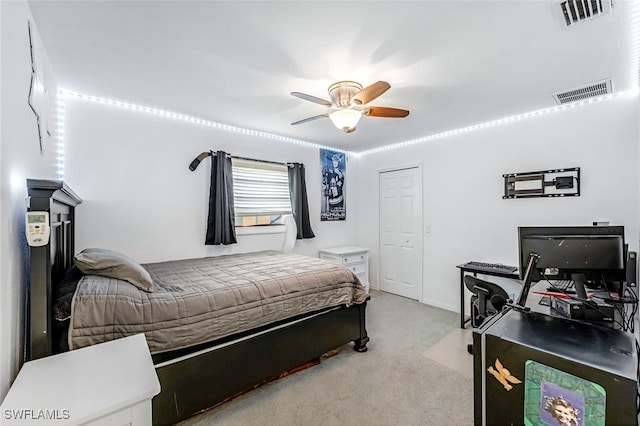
(533, 298)
(533, 348)
(464, 269)
(620, 319)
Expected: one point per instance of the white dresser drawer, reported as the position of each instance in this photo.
(354, 258)
(359, 268)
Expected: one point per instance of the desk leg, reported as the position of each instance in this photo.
(462, 321)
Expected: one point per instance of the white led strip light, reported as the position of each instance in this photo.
(505, 120)
(194, 120)
(63, 94)
(60, 133)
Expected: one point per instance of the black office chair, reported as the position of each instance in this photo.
(487, 300)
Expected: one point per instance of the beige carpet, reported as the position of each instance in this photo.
(391, 384)
(451, 352)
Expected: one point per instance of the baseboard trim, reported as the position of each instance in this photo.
(441, 305)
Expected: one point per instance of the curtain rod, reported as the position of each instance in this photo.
(196, 162)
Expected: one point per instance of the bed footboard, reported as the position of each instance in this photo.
(192, 384)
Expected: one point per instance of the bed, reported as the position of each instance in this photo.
(275, 312)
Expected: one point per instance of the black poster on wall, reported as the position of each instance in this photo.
(333, 166)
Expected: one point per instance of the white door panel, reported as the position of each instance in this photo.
(401, 232)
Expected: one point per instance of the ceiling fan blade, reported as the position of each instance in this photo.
(310, 98)
(309, 119)
(386, 112)
(369, 93)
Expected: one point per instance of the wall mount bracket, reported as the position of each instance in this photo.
(545, 183)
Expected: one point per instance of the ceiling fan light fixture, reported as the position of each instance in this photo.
(346, 97)
(345, 119)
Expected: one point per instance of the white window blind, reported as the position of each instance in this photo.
(260, 189)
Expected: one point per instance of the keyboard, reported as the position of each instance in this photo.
(564, 286)
(491, 267)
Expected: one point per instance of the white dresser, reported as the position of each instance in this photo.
(354, 258)
(108, 384)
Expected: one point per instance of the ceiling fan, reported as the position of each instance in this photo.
(349, 100)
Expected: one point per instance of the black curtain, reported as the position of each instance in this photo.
(221, 226)
(299, 204)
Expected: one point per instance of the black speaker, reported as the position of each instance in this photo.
(632, 269)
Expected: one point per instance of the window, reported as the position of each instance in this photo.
(260, 192)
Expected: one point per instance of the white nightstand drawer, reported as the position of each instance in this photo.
(354, 258)
(359, 268)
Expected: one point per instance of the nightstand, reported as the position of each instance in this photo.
(354, 258)
(109, 383)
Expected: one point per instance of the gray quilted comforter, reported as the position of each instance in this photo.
(199, 300)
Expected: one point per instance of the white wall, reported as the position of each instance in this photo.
(131, 169)
(20, 158)
(637, 319)
(140, 198)
(463, 188)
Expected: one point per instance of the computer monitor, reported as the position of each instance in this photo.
(596, 253)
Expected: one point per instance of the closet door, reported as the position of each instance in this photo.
(401, 232)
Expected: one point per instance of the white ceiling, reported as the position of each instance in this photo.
(451, 63)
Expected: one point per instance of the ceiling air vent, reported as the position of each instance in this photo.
(574, 11)
(589, 91)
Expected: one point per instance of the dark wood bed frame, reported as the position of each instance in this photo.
(191, 381)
